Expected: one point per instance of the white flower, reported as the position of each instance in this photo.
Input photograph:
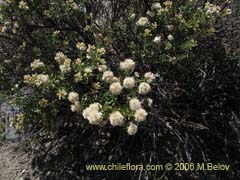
(95, 118)
(116, 119)
(87, 72)
(78, 77)
(86, 112)
(140, 115)
(150, 13)
(107, 76)
(127, 65)
(115, 88)
(149, 76)
(23, 5)
(41, 79)
(75, 107)
(36, 64)
(170, 37)
(132, 129)
(144, 88)
(136, 74)
(102, 68)
(81, 46)
(129, 82)
(143, 21)
(66, 66)
(156, 6)
(134, 104)
(93, 115)
(60, 57)
(157, 39)
(61, 94)
(170, 27)
(149, 101)
(95, 106)
(73, 97)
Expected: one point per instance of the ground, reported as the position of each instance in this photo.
(14, 162)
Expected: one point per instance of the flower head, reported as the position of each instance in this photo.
(127, 65)
(66, 66)
(60, 57)
(61, 94)
(156, 6)
(73, 97)
(144, 88)
(149, 76)
(157, 39)
(87, 72)
(102, 68)
(134, 104)
(115, 88)
(81, 46)
(93, 114)
(129, 82)
(95, 118)
(170, 37)
(75, 107)
(107, 76)
(36, 64)
(95, 106)
(116, 119)
(140, 115)
(41, 79)
(143, 21)
(132, 129)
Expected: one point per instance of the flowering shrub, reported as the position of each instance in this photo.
(75, 68)
(118, 97)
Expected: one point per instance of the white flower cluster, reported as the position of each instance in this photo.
(143, 21)
(115, 88)
(144, 88)
(41, 79)
(108, 76)
(36, 79)
(73, 97)
(127, 65)
(135, 104)
(132, 129)
(150, 77)
(93, 114)
(140, 113)
(36, 64)
(129, 82)
(156, 6)
(157, 39)
(64, 62)
(23, 5)
(116, 119)
(81, 46)
(66, 66)
(212, 8)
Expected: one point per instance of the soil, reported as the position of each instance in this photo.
(14, 162)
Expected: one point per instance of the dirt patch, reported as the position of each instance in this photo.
(14, 162)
